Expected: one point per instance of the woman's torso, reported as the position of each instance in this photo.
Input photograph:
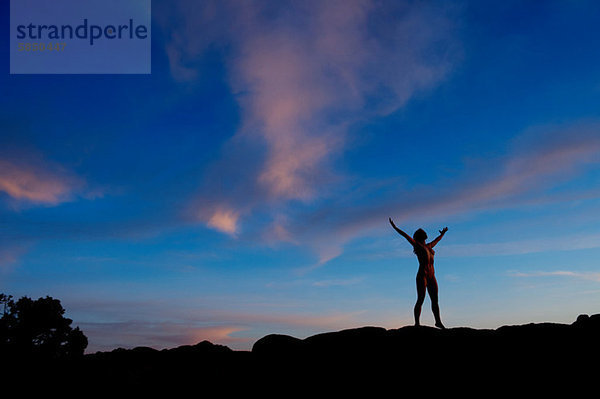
(425, 255)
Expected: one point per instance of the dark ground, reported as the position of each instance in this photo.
(532, 359)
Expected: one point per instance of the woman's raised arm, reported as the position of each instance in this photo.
(442, 232)
(403, 234)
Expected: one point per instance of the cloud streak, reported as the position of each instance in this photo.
(27, 178)
(565, 243)
(113, 323)
(106, 336)
(591, 276)
(37, 184)
(523, 175)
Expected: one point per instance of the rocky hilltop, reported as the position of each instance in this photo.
(533, 358)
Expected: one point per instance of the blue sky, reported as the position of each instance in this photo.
(243, 188)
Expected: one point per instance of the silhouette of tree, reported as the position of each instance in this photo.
(38, 328)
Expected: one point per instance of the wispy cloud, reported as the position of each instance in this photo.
(338, 282)
(526, 246)
(113, 323)
(524, 175)
(27, 179)
(36, 183)
(593, 276)
(303, 72)
(106, 336)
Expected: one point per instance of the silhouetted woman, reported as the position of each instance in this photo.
(426, 274)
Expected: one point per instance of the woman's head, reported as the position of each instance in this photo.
(420, 235)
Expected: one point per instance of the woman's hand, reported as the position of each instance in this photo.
(444, 230)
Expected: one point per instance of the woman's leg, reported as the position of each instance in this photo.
(432, 289)
(421, 284)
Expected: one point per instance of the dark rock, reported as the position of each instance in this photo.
(203, 347)
(582, 319)
(274, 344)
(142, 349)
(543, 358)
(357, 339)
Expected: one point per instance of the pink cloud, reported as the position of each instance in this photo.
(36, 183)
(298, 76)
(540, 160)
(294, 320)
(105, 336)
(305, 74)
(551, 157)
(219, 334)
(162, 325)
(224, 221)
